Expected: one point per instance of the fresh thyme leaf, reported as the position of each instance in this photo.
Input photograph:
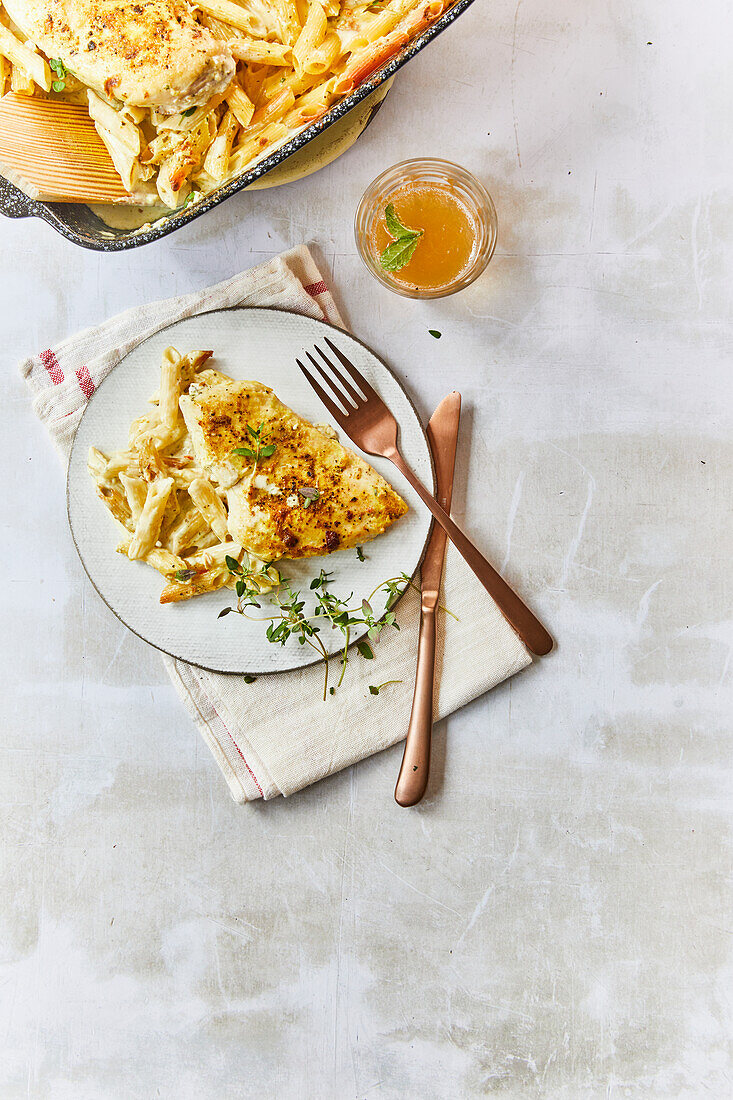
(366, 608)
(191, 197)
(332, 691)
(244, 452)
(376, 688)
(233, 566)
(239, 588)
(398, 254)
(265, 452)
(360, 554)
(309, 492)
(184, 575)
(434, 332)
(366, 650)
(188, 113)
(248, 679)
(224, 611)
(58, 85)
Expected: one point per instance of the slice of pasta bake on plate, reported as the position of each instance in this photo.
(221, 472)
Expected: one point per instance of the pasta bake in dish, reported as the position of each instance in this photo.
(187, 94)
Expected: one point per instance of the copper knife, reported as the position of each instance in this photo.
(412, 781)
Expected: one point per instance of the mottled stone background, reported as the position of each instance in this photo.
(555, 920)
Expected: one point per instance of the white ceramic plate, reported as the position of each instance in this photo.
(259, 344)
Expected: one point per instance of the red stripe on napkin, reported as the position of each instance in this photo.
(85, 381)
(314, 289)
(236, 746)
(51, 364)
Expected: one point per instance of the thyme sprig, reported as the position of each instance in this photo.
(290, 619)
(259, 448)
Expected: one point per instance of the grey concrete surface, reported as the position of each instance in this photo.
(555, 920)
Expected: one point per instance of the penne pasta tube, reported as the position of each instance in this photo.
(150, 460)
(188, 530)
(161, 559)
(256, 147)
(233, 14)
(253, 79)
(116, 502)
(196, 585)
(25, 58)
(136, 491)
(216, 161)
(123, 130)
(311, 36)
(240, 105)
(124, 161)
(324, 57)
(210, 506)
(170, 387)
(272, 110)
(149, 521)
(20, 82)
(257, 52)
(289, 20)
(97, 464)
(216, 556)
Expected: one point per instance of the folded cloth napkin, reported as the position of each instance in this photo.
(277, 735)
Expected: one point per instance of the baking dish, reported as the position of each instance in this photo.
(78, 222)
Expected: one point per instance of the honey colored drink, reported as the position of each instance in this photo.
(444, 248)
(425, 228)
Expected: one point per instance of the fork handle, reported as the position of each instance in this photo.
(517, 614)
(415, 769)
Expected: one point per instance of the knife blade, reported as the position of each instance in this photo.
(442, 432)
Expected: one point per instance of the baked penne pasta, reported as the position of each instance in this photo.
(311, 36)
(150, 519)
(173, 518)
(294, 60)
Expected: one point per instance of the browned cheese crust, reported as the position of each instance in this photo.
(311, 496)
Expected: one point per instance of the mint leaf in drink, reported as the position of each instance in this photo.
(395, 228)
(398, 254)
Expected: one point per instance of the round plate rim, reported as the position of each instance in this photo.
(244, 309)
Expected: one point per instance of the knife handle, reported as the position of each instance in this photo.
(415, 770)
(517, 614)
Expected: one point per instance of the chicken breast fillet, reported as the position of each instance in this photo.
(147, 53)
(306, 495)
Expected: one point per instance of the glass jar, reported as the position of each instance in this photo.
(425, 176)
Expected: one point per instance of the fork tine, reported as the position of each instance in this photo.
(326, 378)
(334, 410)
(355, 374)
(354, 394)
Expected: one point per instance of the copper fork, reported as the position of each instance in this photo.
(368, 422)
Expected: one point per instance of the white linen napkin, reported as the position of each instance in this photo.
(277, 735)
